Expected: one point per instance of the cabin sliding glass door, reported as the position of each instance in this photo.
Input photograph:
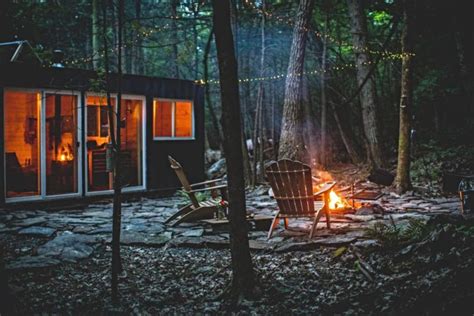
(41, 144)
(61, 142)
(98, 137)
(22, 143)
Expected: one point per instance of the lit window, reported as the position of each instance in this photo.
(173, 119)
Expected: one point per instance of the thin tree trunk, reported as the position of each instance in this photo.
(243, 277)
(346, 140)
(367, 95)
(324, 105)
(196, 38)
(234, 15)
(138, 62)
(174, 38)
(95, 35)
(402, 180)
(215, 123)
(258, 122)
(292, 131)
(116, 145)
(310, 131)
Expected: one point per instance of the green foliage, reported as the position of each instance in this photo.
(392, 235)
(200, 196)
(432, 160)
(380, 18)
(467, 231)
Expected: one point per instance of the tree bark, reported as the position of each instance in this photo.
(292, 131)
(243, 277)
(367, 94)
(215, 123)
(138, 62)
(402, 180)
(114, 131)
(95, 35)
(258, 125)
(324, 105)
(174, 39)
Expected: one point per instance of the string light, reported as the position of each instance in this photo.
(312, 72)
(289, 22)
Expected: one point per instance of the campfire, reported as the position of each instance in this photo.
(336, 202)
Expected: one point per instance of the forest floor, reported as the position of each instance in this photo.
(408, 254)
(431, 274)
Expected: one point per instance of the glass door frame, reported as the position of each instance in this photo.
(78, 143)
(42, 145)
(138, 188)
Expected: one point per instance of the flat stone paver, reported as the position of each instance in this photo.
(73, 235)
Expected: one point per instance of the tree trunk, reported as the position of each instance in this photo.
(367, 94)
(243, 278)
(212, 113)
(402, 180)
(174, 39)
(324, 105)
(95, 35)
(292, 131)
(310, 130)
(114, 131)
(258, 126)
(138, 62)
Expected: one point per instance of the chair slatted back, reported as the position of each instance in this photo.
(176, 166)
(292, 187)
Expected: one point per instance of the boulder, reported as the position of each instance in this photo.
(217, 170)
(381, 176)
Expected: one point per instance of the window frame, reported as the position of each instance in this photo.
(173, 116)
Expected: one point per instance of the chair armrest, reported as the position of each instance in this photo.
(206, 182)
(223, 186)
(326, 187)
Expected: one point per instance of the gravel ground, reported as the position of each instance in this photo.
(430, 277)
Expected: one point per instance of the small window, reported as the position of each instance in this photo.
(173, 119)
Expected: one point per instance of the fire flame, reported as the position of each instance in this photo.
(66, 153)
(335, 201)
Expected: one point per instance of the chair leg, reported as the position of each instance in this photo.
(315, 222)
(328, 219)
(275, 222)
(286, 222)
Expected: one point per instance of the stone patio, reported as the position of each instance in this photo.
(72, 235)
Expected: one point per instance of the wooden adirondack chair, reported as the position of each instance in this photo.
(292, 186)
(195, 210)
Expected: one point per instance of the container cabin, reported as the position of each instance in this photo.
(54, 131)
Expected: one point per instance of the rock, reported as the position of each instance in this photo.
(335, 241)
(68, 246)
(213, 155)
(31, 221)
(213, 242)
(370, 209)
(366, 243)
(381, 176)
(410, 206)
(37, 231)
(9, 230)
(32, 262)
(142, 239)
(360, 218)
(217, 170)
(260, 245)
(193, 233)
(297, 246)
